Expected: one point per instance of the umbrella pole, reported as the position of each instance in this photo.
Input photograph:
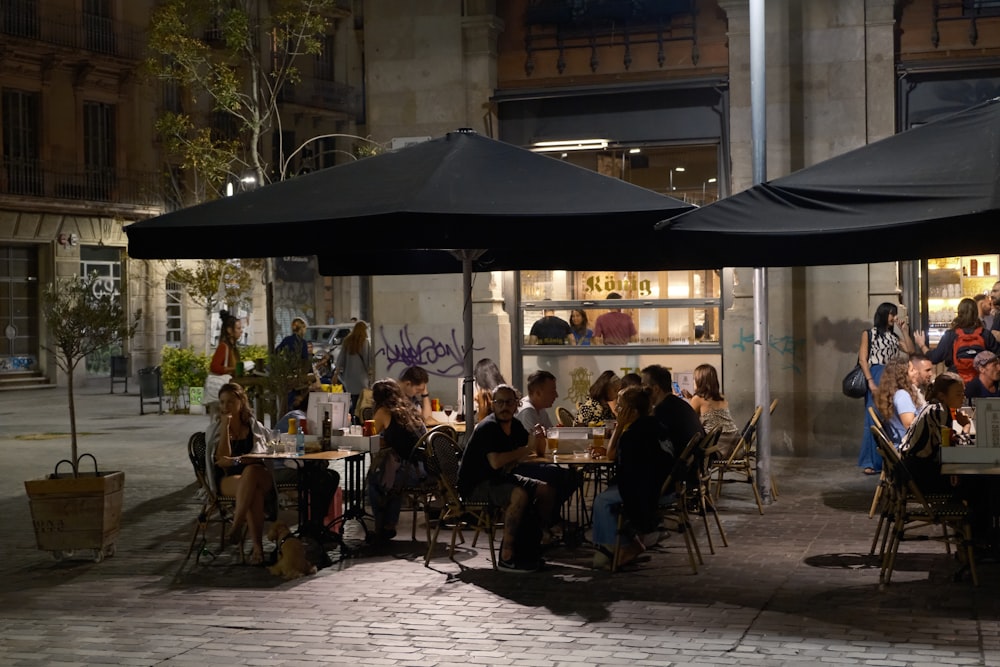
(467, 257)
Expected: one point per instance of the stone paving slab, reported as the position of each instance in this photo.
(795, 586)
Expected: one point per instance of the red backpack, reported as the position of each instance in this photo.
(964, 351)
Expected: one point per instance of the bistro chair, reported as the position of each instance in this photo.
(742, 461)
(882, 481)
(215, 507)
(443, 455)
(673, 507)
(564, 416)
(699, 496)
(914, 512)
(420, 497)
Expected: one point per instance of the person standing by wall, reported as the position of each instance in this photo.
(352, 362)
(879, 345)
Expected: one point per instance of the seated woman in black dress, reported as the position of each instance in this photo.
(400, 424)
(233, 435)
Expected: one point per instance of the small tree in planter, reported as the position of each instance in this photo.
(73, 511)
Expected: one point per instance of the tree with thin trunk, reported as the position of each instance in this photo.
(83, 317)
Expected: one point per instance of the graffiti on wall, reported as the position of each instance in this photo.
(436, 349)
(296, 299)
(15, 364)
(789, 350)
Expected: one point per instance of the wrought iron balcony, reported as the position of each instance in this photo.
(558, 25)
(36, 178)
(963, 10)
(87, 32)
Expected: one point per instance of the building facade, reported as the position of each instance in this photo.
(671, 79)
(80, 159)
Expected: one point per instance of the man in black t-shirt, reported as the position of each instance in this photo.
(498, 444)
(549, 330)
(676, 415)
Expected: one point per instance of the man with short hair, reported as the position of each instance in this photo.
(533, 414)
(615, 327)
(413, 382)
(541, 396)
(921, 374)
(986, 385)
(498, 444)
(676, 415)
(549, 330)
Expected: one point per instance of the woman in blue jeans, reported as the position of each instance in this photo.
(644, 458)
(879, 345)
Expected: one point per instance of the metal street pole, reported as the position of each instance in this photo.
(758, 133)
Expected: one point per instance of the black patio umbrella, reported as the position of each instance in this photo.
(932, 190)
(459, 203)
(459, 191)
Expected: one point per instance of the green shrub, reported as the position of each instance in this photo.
(253, 352)
(182, 367)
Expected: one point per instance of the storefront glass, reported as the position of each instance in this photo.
(674, 316)
(951, 279)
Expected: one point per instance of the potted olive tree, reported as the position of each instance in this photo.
(74, 509)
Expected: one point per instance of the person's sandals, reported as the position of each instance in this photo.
(871, 471)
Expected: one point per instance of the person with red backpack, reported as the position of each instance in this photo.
(960, 344)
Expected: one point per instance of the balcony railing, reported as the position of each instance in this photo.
(36, 178)
(87, 32)
(323, 95)
(559, 25)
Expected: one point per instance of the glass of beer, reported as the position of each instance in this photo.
(598, 435)
(552, 441)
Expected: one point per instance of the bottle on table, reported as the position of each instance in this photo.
(325, 438)
(300, 440)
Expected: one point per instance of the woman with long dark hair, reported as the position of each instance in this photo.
(486, 378)
(879, 345)
(598, 407)
(579, 332)
(234, 434)
(400, 424)
(227, 353)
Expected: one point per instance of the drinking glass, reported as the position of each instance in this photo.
(448, 409)
(552, 441)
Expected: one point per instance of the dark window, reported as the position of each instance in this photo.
(99, 148)
(175, 313)
(98, 28)
(19, 114)
(324, 60)
(19, 18)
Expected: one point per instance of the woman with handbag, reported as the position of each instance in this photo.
(225, 359)
(352, 363)
(879, 345)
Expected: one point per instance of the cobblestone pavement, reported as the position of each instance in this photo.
(795, 586)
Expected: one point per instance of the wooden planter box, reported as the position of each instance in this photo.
(72, 514)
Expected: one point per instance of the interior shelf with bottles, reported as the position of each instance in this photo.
(951, 279)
